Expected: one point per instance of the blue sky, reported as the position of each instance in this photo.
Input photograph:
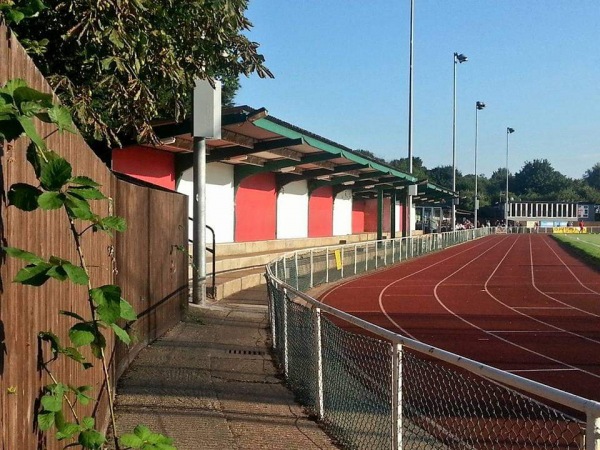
(341, 71)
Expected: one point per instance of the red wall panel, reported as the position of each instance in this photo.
(146, 164)
(256, 208)
(358, 216)
(320, 213)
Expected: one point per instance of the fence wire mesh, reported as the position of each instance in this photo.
(357, 388)
(457, 409)
(442, 406)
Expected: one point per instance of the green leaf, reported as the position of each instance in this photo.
(61, 116)
(98, 345)
(82, 334)
(37, 161)
(51, 200)
(68, 431)
(88, 422)
(91, 439)
(14, 16)
(11, 85)
(82, 397)
(142, 431)
(89, 193)
(108, 301)
(75, 355)
(55, 174)
(31, 132)
(76, 274)
(52, 403)
(25, 94)
(130, 440)
(31, 108)
(112, 223)
(84, 181)
(127, 311)
(24, 196)
(45, 420)
(121, 333)
(71, 314)
(58, 273)
(78, 208)
(22, 254)
(33, 274)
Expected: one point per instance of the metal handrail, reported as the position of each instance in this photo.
(213, 252)
(590, 408)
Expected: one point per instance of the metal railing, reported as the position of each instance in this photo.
(213, 251)
(375, 389)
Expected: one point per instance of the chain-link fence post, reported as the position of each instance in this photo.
(285, 332)
(326, 264)
(592, 432)
(319, 363)
(397, 396)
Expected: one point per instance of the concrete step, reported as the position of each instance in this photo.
(241, 266)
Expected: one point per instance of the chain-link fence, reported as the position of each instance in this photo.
(374, 389)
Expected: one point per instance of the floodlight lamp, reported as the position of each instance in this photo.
(510, 130)
(460, 58)
(480, 105)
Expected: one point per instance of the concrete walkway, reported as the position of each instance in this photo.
(211, 383)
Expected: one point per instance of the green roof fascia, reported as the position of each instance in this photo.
(277, 128)
(440, 190)
(282, 130)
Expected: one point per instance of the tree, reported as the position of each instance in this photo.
(419, 170)
(442, 176)
(592, 176)
(538, 180)
(120, 65)
(370, 155)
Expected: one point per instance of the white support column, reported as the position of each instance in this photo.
(312, 269)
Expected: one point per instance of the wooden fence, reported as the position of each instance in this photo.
(143, 261)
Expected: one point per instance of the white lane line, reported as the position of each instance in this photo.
(541, 307)
(468, 322)
(533, 283)
(381, 294)
(526, 331)
(565, 265)
(540, 370)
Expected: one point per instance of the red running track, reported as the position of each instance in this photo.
(516, 302)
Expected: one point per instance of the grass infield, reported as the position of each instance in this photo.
(585, 245)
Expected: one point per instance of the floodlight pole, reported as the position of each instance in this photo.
(478, 107)
(509, 130)
(458, 58)
(408, 219)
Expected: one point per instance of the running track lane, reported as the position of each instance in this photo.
(516, 302)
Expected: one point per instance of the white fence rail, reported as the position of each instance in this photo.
(374, 389)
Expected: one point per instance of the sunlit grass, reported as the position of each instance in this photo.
(588, 245)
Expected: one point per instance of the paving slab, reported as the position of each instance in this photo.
(211, 383)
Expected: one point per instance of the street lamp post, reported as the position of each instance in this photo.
(478, 107)
(509, 131)
(459, 58)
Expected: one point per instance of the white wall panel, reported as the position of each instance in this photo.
(342, 213)
(292, 211)
(397, 217)
(220, 211)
